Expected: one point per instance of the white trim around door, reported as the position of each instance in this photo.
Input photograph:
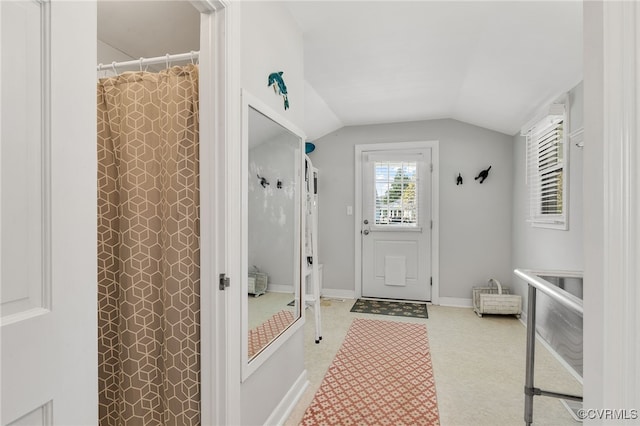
(219, 380)
(612, 207)
(358, 214)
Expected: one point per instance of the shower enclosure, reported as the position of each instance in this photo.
(149, 247)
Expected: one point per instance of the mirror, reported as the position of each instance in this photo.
(272, 297)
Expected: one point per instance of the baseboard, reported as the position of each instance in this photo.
(281, 413)
(279, 288)
(455, 302)
(338, 294)
(523, 318)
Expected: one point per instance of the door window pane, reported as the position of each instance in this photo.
(395, 193)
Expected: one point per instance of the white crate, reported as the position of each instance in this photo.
(495, 299)
(257, 283)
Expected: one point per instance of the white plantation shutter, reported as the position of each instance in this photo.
(395, 189)
(396, 193)
(546, 171)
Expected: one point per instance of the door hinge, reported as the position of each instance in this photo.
(224, 281)
(431, 167)
(431, 281)
(431, 225)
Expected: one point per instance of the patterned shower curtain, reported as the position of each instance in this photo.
(148, 248)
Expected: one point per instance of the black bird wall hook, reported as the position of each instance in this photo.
(483, 175)
(459, 179)
(264, 182)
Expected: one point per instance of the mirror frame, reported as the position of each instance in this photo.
(251, 365)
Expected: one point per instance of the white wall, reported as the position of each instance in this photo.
(475, 220)
(108, 54)
(271, 41)
(542, 248)
(320, 120)
(271, 210)
(265, 389)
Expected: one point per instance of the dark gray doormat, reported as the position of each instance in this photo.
(392, 308)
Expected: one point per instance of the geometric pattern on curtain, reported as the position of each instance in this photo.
(148, 248)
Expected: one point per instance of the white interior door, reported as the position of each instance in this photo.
(396, 224)
(48, 262)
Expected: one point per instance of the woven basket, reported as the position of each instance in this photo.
(495, 299)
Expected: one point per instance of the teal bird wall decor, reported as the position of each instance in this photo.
(275, 80)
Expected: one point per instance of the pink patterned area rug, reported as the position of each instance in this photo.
(260, 336)
(381, 375)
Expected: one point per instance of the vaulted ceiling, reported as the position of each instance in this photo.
(487, 63)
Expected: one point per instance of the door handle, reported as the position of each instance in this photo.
(365, 232)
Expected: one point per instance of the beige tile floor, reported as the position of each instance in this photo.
(478, 366)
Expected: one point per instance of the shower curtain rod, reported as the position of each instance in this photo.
(193, 55)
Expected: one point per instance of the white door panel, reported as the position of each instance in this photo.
(22, 155)
(396, 226)
(396, 264)
(41, 416)
(48, 213)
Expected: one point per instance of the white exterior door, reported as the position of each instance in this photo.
(396, 224)
(48, 266)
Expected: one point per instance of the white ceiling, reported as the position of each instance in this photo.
(492, 64)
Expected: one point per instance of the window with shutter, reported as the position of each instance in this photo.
(547, 170)
(396, 200)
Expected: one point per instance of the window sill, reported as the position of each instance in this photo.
(551, 224)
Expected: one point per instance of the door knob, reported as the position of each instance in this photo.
(365, 232)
